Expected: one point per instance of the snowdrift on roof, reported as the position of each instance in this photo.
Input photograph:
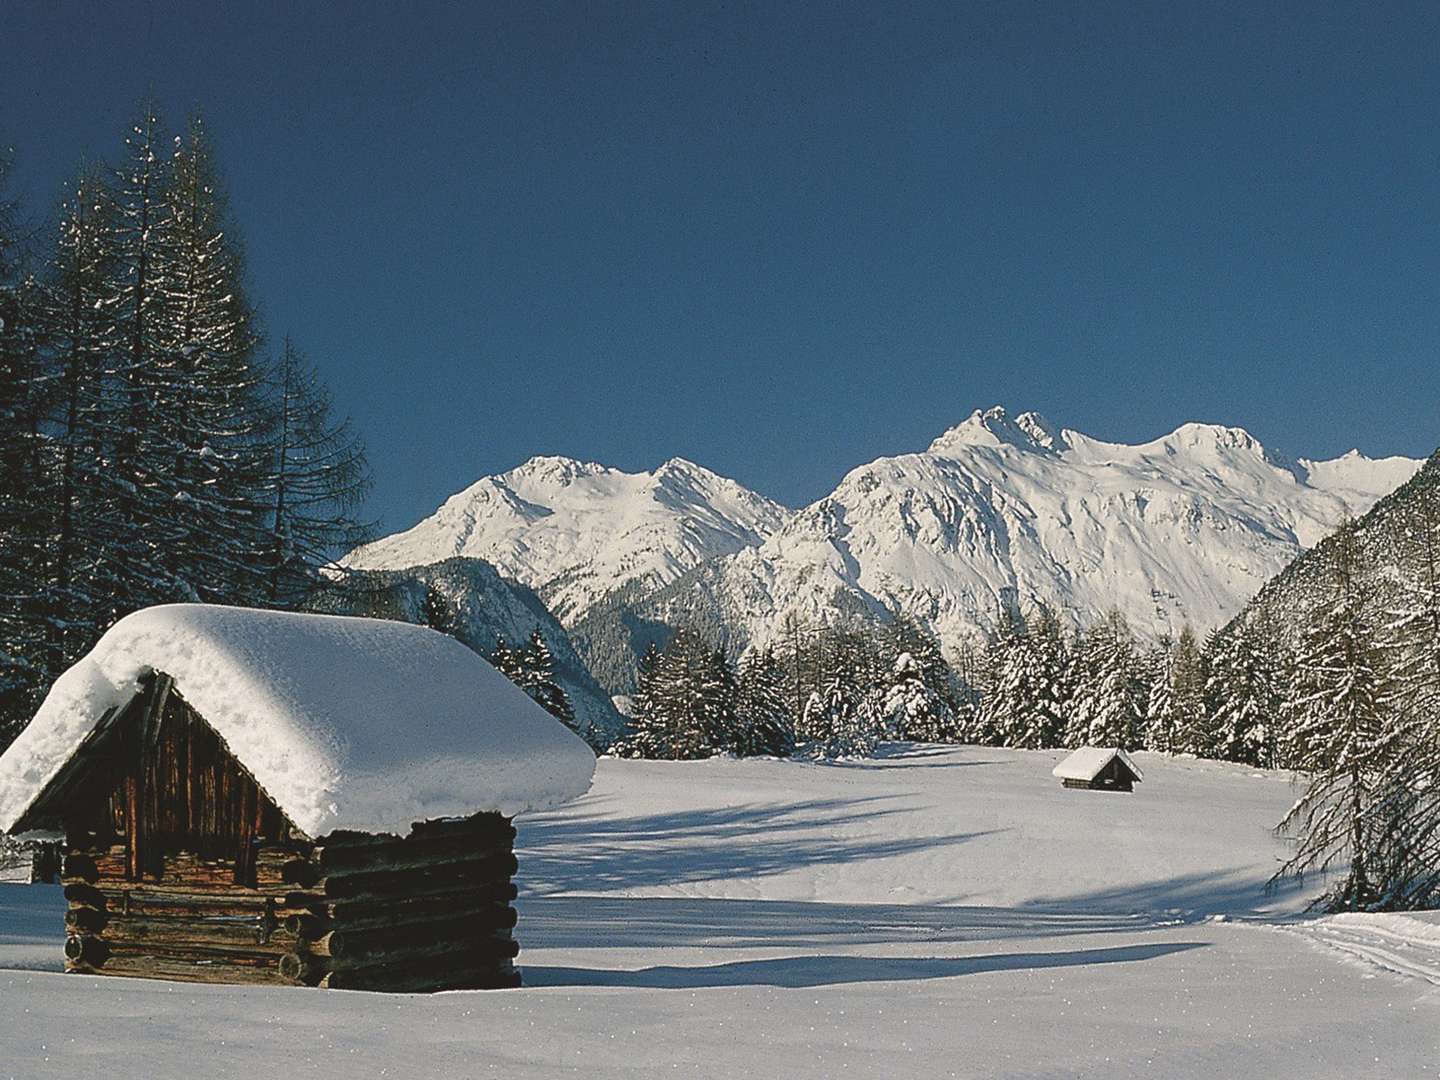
(1089, 762)
(345, 723)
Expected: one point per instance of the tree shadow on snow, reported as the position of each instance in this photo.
(800, 972)
(589, 922)
(913, 756)
(1190, 897)
(593, 851)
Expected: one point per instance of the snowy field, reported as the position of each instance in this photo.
(936, 912)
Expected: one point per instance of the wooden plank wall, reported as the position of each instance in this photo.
(179, 867)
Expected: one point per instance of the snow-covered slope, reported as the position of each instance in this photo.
(1002, 512)
(934, 912)
(575, 531)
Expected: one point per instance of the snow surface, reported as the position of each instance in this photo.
(1088, 762)
(345, 723)
(936, 912)
(575, 531)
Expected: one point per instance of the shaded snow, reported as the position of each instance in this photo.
(937, 912)
(345, 723)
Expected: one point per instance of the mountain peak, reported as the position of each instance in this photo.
(556, 469)
(994, 427)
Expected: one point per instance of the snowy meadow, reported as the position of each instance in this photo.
(935, 911)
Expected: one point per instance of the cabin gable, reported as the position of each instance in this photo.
(178, 865)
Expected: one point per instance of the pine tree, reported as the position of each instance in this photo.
(1336, 707)
(645, 735)
(531, 666)
(537, 667)
(913, 710)
(765, 726)
(208, 421)
(842, 721)
(27, 622)
(1175, 708)
(684, 704)
(86, 582)
(1244, 695)
(1106, 709)
(438, 612)
(139, 221)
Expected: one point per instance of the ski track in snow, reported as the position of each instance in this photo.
(1379, 941)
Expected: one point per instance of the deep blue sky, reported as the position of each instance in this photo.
(782, 244)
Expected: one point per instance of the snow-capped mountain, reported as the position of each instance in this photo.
(1001, 512)
(577, 531)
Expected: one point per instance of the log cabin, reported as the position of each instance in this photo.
(1095, 768)
(279, 798)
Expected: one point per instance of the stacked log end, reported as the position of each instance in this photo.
(430, 911)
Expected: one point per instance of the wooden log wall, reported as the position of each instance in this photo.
(178, 866)
(431, 911)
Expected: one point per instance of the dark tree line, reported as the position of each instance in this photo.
(152, 447)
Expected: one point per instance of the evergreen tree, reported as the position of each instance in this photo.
(438, 612)
(1175, 708)
(1336, 706)
(85, 583)
(843, 721)
(208, 421)
(27, 622)
(537, 667)
(913, 710)
(685, 702)
(765, 725)
(1244, 695)
(1106, 709)
(646, 735)
(138, 226)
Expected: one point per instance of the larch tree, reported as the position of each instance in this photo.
(317, 480)
(1336, 703)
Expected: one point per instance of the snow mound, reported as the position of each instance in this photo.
(1089, 762)
(346, 723)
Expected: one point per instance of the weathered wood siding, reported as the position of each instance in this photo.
(431, 911)
(178, 866)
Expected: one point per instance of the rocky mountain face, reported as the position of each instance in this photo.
(999, 513)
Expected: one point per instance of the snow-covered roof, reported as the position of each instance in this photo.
(1089, 762)
(345, 723)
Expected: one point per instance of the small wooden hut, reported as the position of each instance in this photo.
(1099, 769)
(264, 797)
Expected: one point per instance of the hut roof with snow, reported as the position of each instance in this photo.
(265, 796)
(357, 724)
(1099, 768)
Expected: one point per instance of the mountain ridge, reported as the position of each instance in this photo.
(999, 512)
